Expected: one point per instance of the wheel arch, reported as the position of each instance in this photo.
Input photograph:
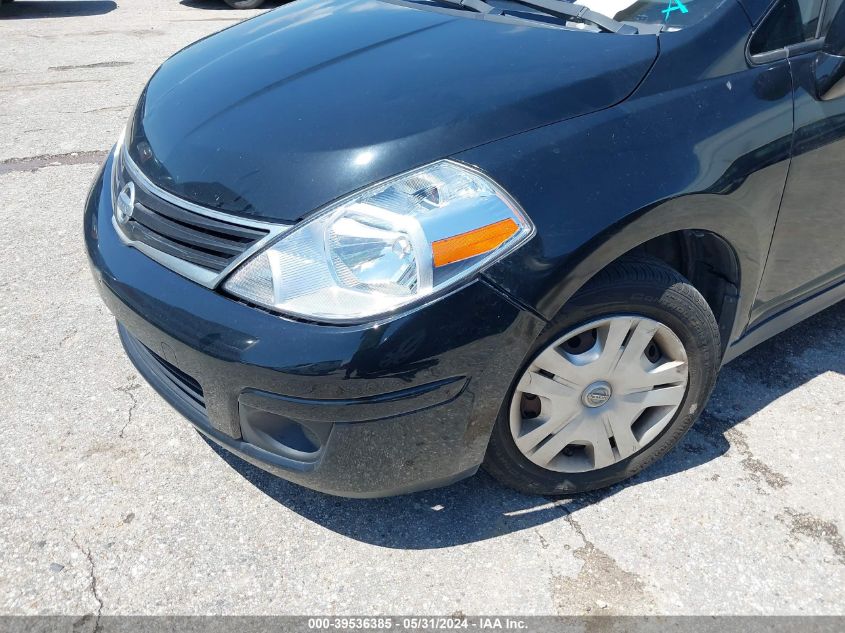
(710, 264)
(707, 238)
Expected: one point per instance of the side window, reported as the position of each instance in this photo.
(830, 10)
(789, 22)
(810, 12)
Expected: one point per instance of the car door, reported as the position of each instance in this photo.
(807, 254)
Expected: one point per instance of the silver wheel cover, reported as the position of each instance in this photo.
(599, 394)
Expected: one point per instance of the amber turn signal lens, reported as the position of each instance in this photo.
(472, 243)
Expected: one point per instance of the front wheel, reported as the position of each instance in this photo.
(244, 4)
(613, 383)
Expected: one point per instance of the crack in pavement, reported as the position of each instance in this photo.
(601, 583)
(34, 163)
(95, 65)
(105, 109)
(717, 428)
(93, 584)
(67, 337)
(128, 390)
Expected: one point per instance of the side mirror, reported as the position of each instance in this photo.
(829, 64)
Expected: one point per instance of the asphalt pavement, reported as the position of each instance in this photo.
(110, 503)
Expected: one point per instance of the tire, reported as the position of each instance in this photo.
(640, 290)
(244, 4)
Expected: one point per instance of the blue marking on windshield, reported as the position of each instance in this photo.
(674, 5)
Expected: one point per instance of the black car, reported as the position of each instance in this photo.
(418, 237)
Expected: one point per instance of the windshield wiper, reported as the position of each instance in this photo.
(475, 5)
(563, 9)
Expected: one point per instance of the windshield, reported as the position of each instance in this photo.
(674, 14)
(665, 15)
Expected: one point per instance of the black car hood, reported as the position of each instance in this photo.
(283, 113)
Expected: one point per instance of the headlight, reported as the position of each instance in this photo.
(385, 247)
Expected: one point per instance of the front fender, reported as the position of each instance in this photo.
(711, 154)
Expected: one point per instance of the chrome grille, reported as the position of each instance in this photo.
(198, 243)
(188, 236)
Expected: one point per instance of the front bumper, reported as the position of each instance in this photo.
(369, 410)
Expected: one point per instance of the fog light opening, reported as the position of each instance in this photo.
(281, 435)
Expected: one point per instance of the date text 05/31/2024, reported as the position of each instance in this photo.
(418, 623)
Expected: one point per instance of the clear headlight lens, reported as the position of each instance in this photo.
(385, 247)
